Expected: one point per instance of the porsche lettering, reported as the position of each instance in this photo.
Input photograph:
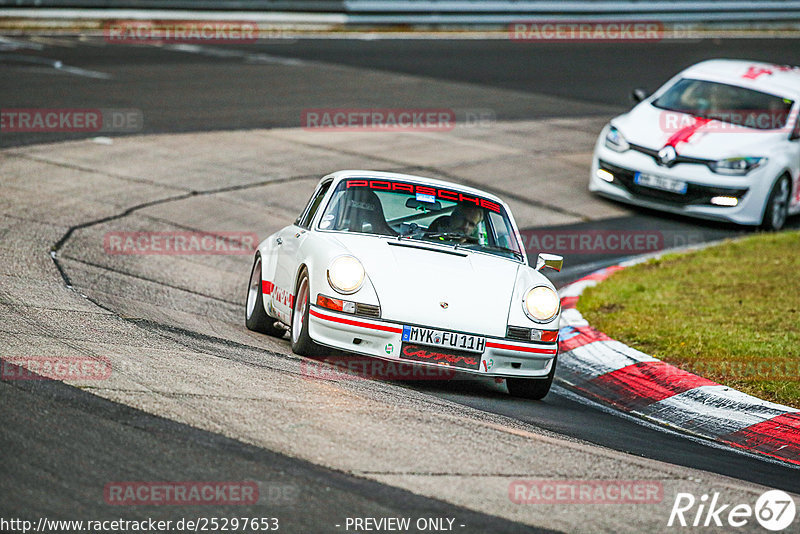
(444, 194)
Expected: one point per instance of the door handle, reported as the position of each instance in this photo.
(279, 241)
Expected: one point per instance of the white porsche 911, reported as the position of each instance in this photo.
(721, 140)
(412, 270)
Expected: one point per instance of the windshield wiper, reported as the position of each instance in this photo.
(498, 248)
(451, 235)
(419, 246)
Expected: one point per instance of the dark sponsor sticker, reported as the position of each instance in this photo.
(440, 356)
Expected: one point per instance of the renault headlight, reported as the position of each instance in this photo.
(541, 304)
(615, 140)
(736, 166)
(346, 274)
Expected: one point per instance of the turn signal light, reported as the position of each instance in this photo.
(336, 304)
(547, 336)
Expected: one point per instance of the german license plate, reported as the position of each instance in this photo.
(444, 339)
(660, 182)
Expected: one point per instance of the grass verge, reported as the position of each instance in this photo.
(730, 313)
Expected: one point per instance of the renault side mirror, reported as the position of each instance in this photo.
(639, 94)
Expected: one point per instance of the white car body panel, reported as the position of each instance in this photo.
(483, 292)
(477, 287)
(650, 127)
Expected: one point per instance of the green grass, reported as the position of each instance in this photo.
(730, 313)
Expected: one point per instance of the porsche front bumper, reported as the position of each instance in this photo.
(383, 339)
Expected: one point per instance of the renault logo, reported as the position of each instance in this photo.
(667, 155)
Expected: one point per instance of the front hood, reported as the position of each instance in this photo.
(412, 284)
(653, 128)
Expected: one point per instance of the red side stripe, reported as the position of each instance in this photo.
(778, 437)
(643, 383)
(355, 323)
(267, 287)
(534, 350)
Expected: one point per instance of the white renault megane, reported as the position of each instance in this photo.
(721, 140)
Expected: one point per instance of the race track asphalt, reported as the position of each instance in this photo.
(257, 87)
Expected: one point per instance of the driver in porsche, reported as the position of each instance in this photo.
(464, 219)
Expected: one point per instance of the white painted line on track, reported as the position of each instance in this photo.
(82, 72)
(50, 41)
(13, 44)
(250, 57)
(55, 64)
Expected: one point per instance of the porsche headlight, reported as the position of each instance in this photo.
(541, 304)
(736, 166)
(615, 140)
(346, 274)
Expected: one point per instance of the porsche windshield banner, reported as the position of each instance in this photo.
(425, 191)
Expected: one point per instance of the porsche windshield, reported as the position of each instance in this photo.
(420, 212)
(727, 103)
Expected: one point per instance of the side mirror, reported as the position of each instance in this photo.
(795, 135)
(639, 94)
(551, 261)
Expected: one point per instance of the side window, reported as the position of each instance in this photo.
(313, 205)
(501, 236)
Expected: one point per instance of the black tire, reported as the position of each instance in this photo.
(302, 343)
(777, 208)
(532, 388)
(255, 317)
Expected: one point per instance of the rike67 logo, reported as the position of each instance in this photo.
(774, 510)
